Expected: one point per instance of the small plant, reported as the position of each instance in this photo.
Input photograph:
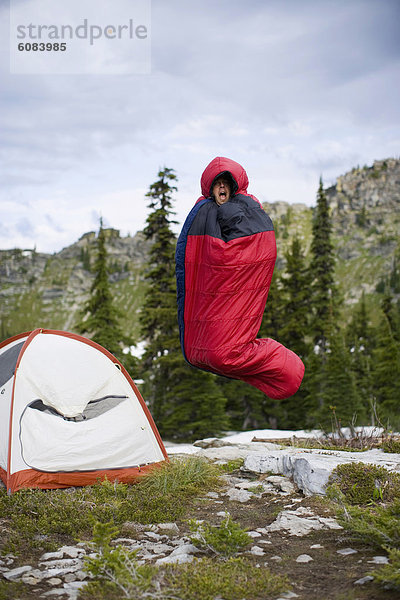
(115, 566)
(391, 445)
(225, 540)
(232, 465)
(377, 526)
(364, 484)
(389, 575)
(233, 579)
(11, 589)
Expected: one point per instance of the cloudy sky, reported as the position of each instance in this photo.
(291, 89)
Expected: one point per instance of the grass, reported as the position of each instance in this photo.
(368, 506)
(224, 540)
(41, 518)
(207, 579)
(10, 589)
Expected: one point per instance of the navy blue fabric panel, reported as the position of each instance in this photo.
(206, 221)
(8, 361)
(180, 267)
(240, 217)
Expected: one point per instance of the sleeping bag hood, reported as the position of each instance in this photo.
(225, 259)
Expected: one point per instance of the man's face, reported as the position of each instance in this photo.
(221, 190)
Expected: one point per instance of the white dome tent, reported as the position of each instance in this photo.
(70, 414)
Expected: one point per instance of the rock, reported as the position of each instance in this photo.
(69, 577)
(310, 469)
(54, 581)
(72, 551)
(316, 547)
(231, 452)
(170, 527)
(211, 443)
(63, 566)
(52, 555)
(282, 483)
(364, 580)
(257, 551)
(236, 495)
(254, 534)
(346, 551)
(250, 486)
(30, 579)
(276, 557)
(152, 535)
(304, 558)
(379, 560)
(212, 495)
(295, 523)
(127, 541)
(178, 559)
(16, 573)
(73, 588)
(185, 549)
(154, 548)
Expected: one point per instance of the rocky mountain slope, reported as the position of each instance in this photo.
(42, 290)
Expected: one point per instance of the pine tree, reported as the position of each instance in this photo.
(385, 373)
(246, 407)
(392, 312)
(322, 268)
(360, 341)
(272, 318)
(324, 305)
(337, 387)
(287, 316)
(296, 301)
(158, 315)
(101, 319)
(186, 403)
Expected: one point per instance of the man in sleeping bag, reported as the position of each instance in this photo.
(225, 258)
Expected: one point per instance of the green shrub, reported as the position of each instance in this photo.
(391, 445)
(115, 566)
(226, 539)
(11, 589)
(363, 484)
(389, 575)
(377, 526)
(233, 579)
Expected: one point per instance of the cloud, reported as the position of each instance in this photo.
(291, 90)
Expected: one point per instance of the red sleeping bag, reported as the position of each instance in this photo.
(225, 259)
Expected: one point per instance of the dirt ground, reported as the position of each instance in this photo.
(329, 576)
